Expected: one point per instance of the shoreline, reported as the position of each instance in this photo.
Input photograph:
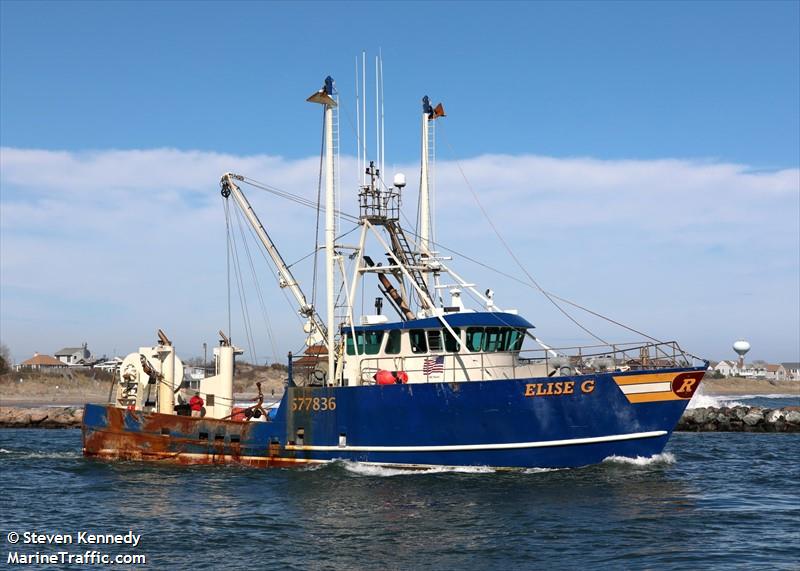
(701, 419)
(22, 396)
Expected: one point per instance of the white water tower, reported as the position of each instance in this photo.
(741, 347)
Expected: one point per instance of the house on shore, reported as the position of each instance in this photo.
(726, 368)
(792, 371)
(41, 362)
(776, 372)
(75, 355)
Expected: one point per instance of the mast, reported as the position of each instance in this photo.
(324, 97)
(424, 196)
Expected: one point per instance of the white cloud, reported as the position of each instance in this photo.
(106, 246)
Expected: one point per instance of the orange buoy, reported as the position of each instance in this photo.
(384, 377)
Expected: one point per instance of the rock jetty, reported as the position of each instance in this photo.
(740, 419)
(705, 419)
(50, 417)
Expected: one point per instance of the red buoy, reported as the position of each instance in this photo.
(384, 377)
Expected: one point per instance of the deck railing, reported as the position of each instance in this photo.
(478, 366)
(563, 360)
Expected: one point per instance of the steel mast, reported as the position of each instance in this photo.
(325, 97)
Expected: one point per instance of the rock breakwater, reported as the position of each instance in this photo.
(49, 417)
(704, 419)
(740, 419)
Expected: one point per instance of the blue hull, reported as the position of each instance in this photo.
(522, 423)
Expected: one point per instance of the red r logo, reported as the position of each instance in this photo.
(685, 384)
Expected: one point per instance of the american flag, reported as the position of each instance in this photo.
(433, 366)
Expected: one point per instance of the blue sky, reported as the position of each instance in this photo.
(668, 131)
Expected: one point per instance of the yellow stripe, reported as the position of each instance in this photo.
(647, 378)
(653, 397)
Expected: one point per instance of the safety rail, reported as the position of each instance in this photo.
(579, 360)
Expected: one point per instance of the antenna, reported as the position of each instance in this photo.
(358, 124)
(383, 132)
(377, 116)
(364, 116)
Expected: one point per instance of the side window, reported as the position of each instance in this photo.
(351, 350)
(516, 345)
(372, 342)
(435, 341)
(417, 338)
(451, 344)
(393, 342)
(512, 340)
(475, 339)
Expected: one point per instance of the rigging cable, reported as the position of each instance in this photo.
(318, 210)
(257, 286)
(242, 299)
(305, 202)
(511, 252)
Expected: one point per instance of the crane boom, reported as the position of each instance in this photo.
(287, 280)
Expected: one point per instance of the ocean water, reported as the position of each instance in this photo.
(711, 501)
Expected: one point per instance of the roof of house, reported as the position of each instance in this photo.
(791, 365)
(316, 350)
(68, 351)
(41, 360)
(773, 368)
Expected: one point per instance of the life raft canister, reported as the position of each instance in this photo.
(384, 377)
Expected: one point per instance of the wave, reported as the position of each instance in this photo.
(367, 469)
(773, 396)
(385, 471)
(658, 459)
(701, 401)
(41, 454)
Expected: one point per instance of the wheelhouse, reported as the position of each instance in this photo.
(456, 347)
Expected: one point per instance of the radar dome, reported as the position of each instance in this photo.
(741, 347)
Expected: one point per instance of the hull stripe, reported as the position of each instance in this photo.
(653, 397)
(499, 446)
(646, 388)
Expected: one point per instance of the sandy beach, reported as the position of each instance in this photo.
(737, 386)
(76, 388)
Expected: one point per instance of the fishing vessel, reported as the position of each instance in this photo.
(443, 377)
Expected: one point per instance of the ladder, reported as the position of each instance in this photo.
(409, 258)
(432, 176)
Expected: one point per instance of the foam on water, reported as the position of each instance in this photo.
(363, 469)
(541, 470)
(38, 454)
(658, 459)
(773, 396)
(700, 401)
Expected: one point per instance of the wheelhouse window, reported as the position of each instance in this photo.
(515, 339)
(393, 342)
(435, 341)
(452, 344)
(475, 337)
(368, 342)
(418, 342)
(494, 339)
